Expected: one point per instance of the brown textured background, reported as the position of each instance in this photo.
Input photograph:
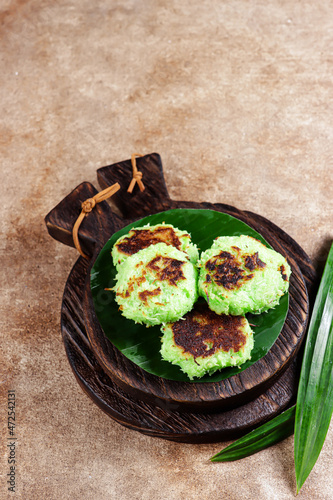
(237, 97)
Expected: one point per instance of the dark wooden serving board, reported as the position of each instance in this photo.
(159, 420)
(174, 410)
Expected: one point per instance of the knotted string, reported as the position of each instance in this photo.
(86, 208)
(137, 176)
(88, 205)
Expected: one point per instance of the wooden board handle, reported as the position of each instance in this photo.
(153, 199)
(102, 222)
(94, 230)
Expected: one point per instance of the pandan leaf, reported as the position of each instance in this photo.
(314, 405)
(266, 435)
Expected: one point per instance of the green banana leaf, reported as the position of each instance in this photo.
(141, 344)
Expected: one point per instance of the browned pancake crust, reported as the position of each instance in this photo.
(164, 269)
(203, 332)
(167, 269)
(228, 271)
(143, 238)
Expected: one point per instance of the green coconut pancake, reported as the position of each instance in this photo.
(142, 237)
(204, 342)
(239, 274)
(156, 285)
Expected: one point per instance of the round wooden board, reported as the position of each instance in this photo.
(158, 420)
(189, 412)
(236, 390)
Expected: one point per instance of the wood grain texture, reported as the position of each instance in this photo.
(60, 220)
(155, 197)
(229, 395)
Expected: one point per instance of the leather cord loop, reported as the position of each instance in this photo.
(137, 176)
(86, 207)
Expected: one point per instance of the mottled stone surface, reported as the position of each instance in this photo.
(237, 97)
